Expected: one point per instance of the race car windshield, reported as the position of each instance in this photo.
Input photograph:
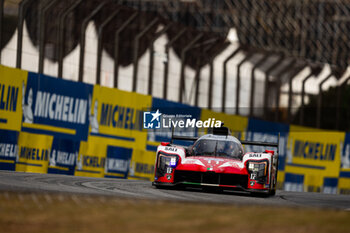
(218, 148)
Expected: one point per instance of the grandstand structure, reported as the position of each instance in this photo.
(262, 58)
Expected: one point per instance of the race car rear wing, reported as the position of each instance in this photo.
(271, 144)
(217, 131)
(184, 138)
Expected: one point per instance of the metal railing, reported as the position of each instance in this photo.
(310, 33)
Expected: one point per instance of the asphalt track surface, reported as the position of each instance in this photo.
(135, 189)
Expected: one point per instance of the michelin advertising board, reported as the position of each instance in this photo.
(313, 159)
(116, 137)
(171, 111)
(55, 107)
(344, 174)
(50, 125)
(11, 83)
(8, 149)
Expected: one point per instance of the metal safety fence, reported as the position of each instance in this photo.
(298, 34)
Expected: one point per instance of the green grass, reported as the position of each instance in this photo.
(22, 213)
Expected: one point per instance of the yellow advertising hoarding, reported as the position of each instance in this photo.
(117, 144)
(237, 124)
(34, 152)
(315, 154)
(142, 165)
(118, 114)
(344, 185)
(12, 83)
(104, 157)
(115, 133)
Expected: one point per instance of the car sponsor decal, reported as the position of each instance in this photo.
(170, 149)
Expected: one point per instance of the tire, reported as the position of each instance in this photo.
(257, 194)
(272, 192)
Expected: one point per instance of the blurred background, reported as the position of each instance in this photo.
(277, 60)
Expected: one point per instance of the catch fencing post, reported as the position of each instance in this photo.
(224, 79)
(252, 84)
(302, 107)
(278, 88)
(290, 91)
(82, 39)
(183, 57)
(339, 93)
(166, 63)
(151, 58)
(1, 20)
(198, 68)
(211, 83)
(315, 71)
(238, 81)
(116, 47)
(211, 77)
(266, 82)
(198, 73)
(22, 9)
(136, 52)
(61, 38)
(42, 37)
(319, 100)
(99, 44)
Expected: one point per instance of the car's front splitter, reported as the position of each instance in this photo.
(192, 184)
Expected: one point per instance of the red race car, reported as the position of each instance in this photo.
(217, 160)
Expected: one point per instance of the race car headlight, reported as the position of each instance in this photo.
(257, 167)
(173, 162)
(168, 160)
(166, 163)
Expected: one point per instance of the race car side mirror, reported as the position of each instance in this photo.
(165, 143)
(190, 151)
(270, 151)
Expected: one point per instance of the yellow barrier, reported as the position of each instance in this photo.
(34, 152)
(314, 154)
(117, 145)
(115, 123)
(12, 83)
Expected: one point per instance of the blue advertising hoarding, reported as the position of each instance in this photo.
(8, 149)
(118, 162)
(345, 153)
(265, 131)
(294, 182)
(172, 110)
(55, 107)
(63, 156)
